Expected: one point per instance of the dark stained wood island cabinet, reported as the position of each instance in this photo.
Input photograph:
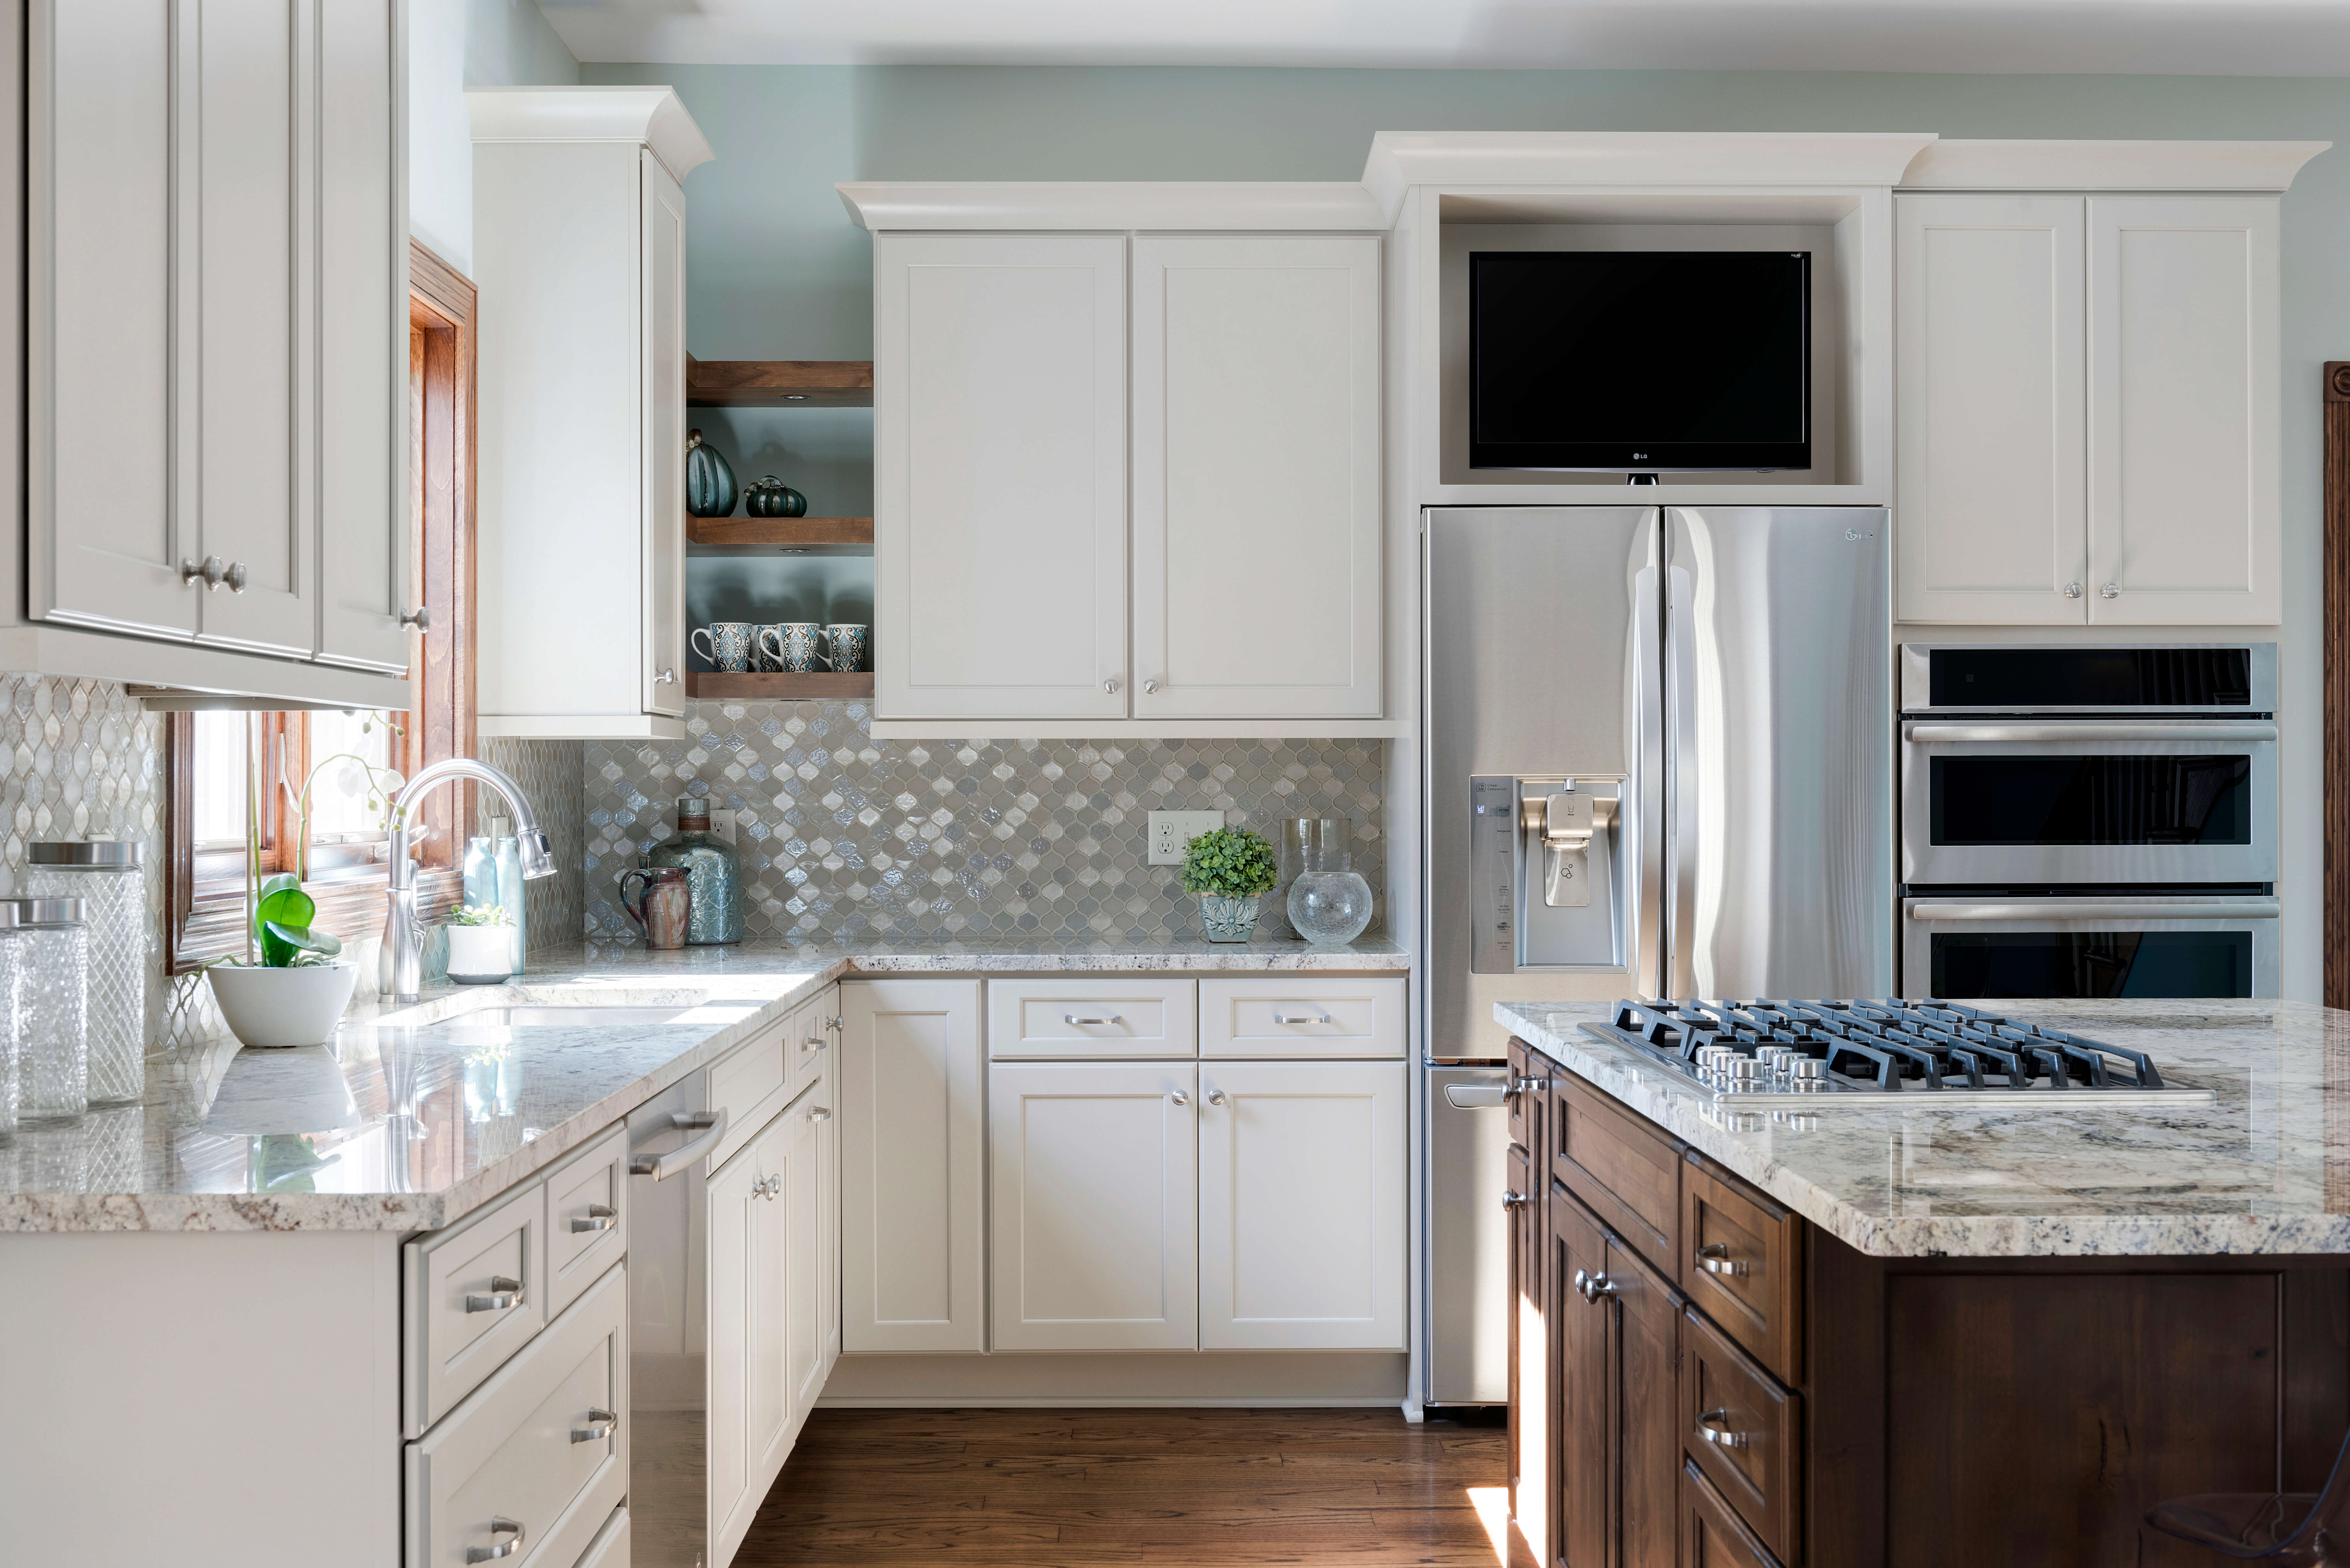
(1702, 1377)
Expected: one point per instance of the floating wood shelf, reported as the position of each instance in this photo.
(778, 383)
(770, 535)
(777, 688)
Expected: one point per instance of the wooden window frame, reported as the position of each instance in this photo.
(204, 918)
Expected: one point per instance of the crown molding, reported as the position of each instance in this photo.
(1402, 159)
(1960, 165)
(651, 116)
(1203, 204)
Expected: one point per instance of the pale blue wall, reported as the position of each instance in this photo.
(453, 45)
(776, 271)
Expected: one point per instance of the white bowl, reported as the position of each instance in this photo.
(277, 1008)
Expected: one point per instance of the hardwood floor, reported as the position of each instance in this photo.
(1220, 1489)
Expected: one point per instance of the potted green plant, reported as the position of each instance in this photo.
(1231, 869)
(480, 944)
(291, 984)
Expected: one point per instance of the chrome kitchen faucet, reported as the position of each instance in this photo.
(400, 966)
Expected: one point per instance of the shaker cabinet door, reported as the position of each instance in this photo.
(663, 237)
(1256, 476)
(750, 1387)
(999, 431)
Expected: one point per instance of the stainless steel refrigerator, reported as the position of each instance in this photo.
(1659, 762)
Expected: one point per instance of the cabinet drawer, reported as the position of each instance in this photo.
(610, 1547)
(1712, 1535)
(810, 1035)
(751, 1084)
(586, 1217)
(1742, 1263)
(1091, 1018)
(1743, 1430)
(474, 1295)
(538, 1454)
(1300, 1015)
(1627, 1171)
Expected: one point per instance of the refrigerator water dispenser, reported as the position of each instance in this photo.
(1548, 888)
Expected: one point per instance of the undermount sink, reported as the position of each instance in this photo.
(562, 1016)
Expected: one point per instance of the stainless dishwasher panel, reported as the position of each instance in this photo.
(1468, 1240)
(668, 1341)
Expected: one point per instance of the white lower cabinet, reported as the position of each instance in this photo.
(610, 1547)
(911, 1167)
(1303, 1184)
(750, 1286)
(802, 1200)
(1094, 1241)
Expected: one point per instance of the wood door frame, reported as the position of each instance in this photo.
(2335, 739)
(444, 373)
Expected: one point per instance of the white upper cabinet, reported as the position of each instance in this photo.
(999, 431)
(217, 274)
(579, 254)
(2185, 523)
(1256, 476)
(2088, 410)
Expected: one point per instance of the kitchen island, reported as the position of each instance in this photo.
(1908, 1333)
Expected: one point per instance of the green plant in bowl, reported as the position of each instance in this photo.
(1231, 869)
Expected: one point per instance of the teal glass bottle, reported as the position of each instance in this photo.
(713, 875)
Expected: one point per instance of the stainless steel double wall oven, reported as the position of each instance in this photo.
(2088, 821)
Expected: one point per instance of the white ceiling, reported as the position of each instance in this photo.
(2228, 38)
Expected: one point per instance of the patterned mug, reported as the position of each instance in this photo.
(845, 643)
(795, 646)
(765, 640)
(730, 644)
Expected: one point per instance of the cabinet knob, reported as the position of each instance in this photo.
(1180, 1097)
(1713, 1426)
(601, 1425)
(235, 577)
(1513, 1200)
(820, 1113)
(1591, 1286)
(421, 617)
(1110, 685)
(509, 1528)
(1149, 686)
(1714, 1259)
(2110, 591)
(600, 1216)
(667, 676)
(1215, 1096)
(503, 1293)
(2072, 590)
(836, 1023)
(208, 573)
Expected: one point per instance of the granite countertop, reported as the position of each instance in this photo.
(2263, 1169)
(400, 1126)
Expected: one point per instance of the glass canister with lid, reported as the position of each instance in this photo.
(52, 961)
(108, 878)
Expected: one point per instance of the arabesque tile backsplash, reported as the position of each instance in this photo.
(846, 838)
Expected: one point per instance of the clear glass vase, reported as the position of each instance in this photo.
(107, 877)
(1329, 903)
(52, 1008)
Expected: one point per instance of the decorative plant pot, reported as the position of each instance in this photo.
(479, 955)
(1229, 919)
(277, 1008)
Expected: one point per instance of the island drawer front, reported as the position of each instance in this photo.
(1744, 1431)
(1742, 1263)
(1712, 1535)
(531, 1447)
(1300, 1015)
(475, 1294)
(587, 1217)
(1623, 1166)
(610, 1547)
(810, 1035)
(750, 1084)
(1141, 1017)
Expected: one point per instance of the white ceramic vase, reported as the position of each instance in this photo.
(479, 955)
(277, 1008)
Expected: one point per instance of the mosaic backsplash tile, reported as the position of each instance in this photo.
(549, 775)
(846, 838)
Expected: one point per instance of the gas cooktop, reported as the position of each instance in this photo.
(1859, 1053)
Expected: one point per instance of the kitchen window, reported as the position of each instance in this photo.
(212, 759)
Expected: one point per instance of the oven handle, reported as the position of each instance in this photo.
(2087, 729)
(2098, 910)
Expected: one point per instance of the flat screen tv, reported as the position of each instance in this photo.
(1640, 361)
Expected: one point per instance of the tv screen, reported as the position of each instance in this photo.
(1640, 361)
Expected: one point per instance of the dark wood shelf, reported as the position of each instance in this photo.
(768, 536)
(778, 383)
(777, 688)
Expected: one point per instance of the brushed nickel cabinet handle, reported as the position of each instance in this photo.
(235, 577)
(1714, 1259)
(1318, 1016)
(1713, 1426)
(503, 1293)
(600, 1217)
(1591, 1286)
(661, 1167)
(1077, 1018)
(836, 1023)
(1148, 687)
(208, 573)
(2110, 591)
(419, 617)
(1110, 685)
(820, 1113)
(509, 1528)
(601, 1425)
(2072, 590)
(1513, 1200)
(1215, 1096)
(1180, 1097)
(665, 676)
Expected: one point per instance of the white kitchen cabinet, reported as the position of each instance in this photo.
(216, 376)
(1302, 1178)
(2185, 522)
(913, 1164)
(804, 1192)
(1256, 476)
(999, 431)
(579, 254)
(2088, 410)
(750, 1391)
(1094, 1241)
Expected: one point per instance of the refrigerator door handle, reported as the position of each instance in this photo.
(1681, 834)
(1647, 789)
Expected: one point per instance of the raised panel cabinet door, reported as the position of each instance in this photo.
(999, 432)
(363, 514)
(108, 516)
(1647, 1323)
(1256, 476)
(663, 237)
(802, 1198)
(749, 1389)
(1586, 1393)
(1303, 1216)
(2185, 525)
(1990, 507)
(1529, 1342)
(911, 1162)
(1094, 1172)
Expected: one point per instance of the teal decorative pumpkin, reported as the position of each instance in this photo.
(770, 497)
(709, 483)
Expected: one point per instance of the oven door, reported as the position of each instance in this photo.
(2099, 949)
(2069, 803)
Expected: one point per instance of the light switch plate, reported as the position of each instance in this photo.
(721, 823)
(1171, 830)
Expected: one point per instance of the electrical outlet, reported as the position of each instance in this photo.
(721, 823)
(1171, 830)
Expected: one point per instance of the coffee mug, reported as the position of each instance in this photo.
(845, 644)
(730, 644)
(764, 640)
(795, 646)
